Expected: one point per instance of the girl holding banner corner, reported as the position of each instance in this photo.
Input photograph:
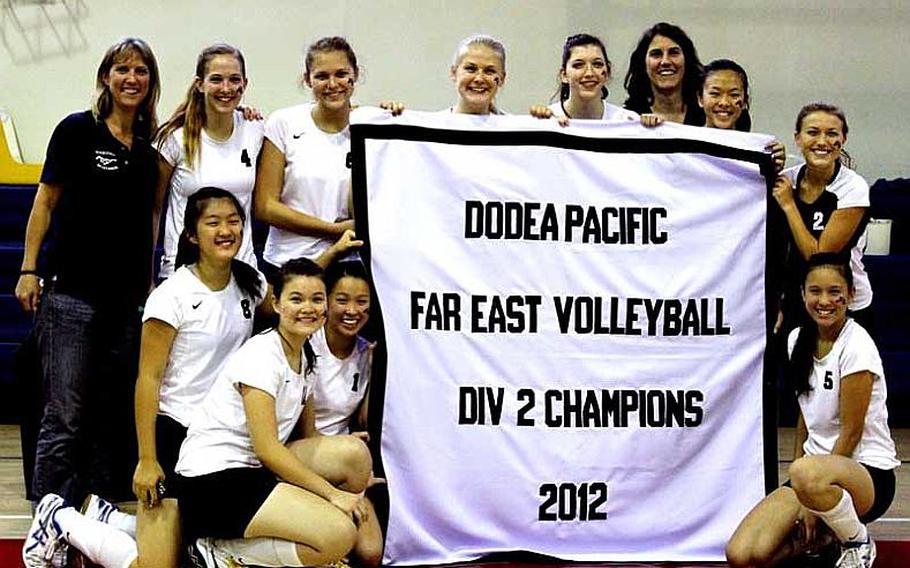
(826, 205)
(583, 77)
(302, 183)
(843, 473)
(724, 98)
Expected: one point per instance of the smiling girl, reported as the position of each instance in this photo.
(843, 472)
(303, 181)
(724, 96)
(478, 71)
(583, 75)
(342, 383)
(826, 205)
(298, 503)
(207, 143)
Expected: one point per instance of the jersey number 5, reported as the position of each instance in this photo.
(828, 383)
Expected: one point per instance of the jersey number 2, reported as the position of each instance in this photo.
(818, 221)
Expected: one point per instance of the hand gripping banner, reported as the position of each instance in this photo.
(575, 326)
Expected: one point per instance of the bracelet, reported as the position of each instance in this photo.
(27, 272)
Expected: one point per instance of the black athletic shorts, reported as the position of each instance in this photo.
(222, 504)
(883, 481)
(169, 435)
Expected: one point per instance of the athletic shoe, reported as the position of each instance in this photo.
(94, 507)
(44, 545)
(206, 554)
(857, 554)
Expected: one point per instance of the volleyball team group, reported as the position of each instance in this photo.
(252, 450)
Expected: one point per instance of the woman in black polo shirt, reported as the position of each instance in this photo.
(97, 186)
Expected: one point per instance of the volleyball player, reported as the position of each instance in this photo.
(192, 322)
(583, 76)
(843, 472)
(206, 142)
(826, 205)
(478, 71)
(303, 181)
(243, 488)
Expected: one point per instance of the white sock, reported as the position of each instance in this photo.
(102, 543)
(268, 552)
(843, 520)
(123, 521)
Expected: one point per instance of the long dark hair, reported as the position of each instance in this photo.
(744, 122)
(637, 82)
(291, 269)
(188, 252)
(799, 367)
(580, 40)
(344, 268)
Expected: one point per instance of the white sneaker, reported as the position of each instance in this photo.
(94, 507)
(206, 554)
(857, 554)
(44, 545)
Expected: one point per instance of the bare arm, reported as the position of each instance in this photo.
(157, 339)
(165, 172)
(28, 288)
(361, 419)
(259, 407)
(345, 243)
(855, 394)
(269, 208)
(308, 420)
(801, 435)
(840, 228)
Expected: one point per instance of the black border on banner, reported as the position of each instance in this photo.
(775, 241)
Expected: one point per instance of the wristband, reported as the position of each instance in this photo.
(27, 272)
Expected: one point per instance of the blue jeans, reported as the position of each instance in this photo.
(89, 358)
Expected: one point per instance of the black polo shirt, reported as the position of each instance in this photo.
(102, 226)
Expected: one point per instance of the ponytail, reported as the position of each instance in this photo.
(311, 357)
(802, 359)
(247, 278)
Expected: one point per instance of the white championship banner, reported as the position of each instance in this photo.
(575, 323)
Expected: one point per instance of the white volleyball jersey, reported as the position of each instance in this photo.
(218, 436)
(229, 164)
(853, 351)
(316, 179)
(339, 384)
(210, 326)
(611, 112)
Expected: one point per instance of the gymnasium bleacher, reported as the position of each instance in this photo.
(18, 182)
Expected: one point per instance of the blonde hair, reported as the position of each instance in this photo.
(190, 114)
(480, 39)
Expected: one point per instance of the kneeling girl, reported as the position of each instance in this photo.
(239, 479)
